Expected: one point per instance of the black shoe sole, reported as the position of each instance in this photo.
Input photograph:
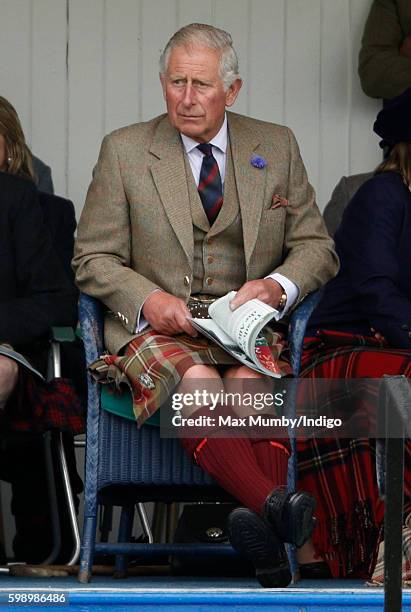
(253, 537)
(301, 508)
(291, 515)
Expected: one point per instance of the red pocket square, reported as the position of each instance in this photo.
(278, 201)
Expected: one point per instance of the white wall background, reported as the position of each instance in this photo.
(76, 69)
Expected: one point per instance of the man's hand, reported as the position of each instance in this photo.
(167, 314)
(267, 290)
(405, 48)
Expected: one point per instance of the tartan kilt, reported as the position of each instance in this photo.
(340, 473)
(153, 365)
(38, 406)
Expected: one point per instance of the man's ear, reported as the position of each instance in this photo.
(163, 84)
(232, 92)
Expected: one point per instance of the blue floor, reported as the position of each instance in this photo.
(149, 594)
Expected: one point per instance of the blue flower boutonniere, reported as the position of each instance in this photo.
(258, 162)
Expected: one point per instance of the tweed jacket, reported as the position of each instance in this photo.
(384, 72)
(345, 189)
(136, 230)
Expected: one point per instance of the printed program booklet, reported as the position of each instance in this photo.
(239, 332)
(7, 351)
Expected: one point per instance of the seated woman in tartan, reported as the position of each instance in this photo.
(37, 292)
(361, 329)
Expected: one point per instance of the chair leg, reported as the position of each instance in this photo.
(173, 510)
(54, 513)
(124, 535)
(87, 549)
(70, 501)
(106, 522)
(144, 522)
(158, 521)
(90, 485)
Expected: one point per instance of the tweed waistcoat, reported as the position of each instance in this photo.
(219, 264)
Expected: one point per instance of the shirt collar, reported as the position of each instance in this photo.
(219, 140)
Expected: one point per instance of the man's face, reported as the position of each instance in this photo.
(194, 92)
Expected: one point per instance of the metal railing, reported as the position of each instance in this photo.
(395, 418)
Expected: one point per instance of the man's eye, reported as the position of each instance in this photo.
(178, 82)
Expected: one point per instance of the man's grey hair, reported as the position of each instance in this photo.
(204, 35)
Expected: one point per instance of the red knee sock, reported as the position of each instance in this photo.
(231, 462)
(272, 457)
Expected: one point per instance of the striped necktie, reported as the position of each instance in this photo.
(210, 187)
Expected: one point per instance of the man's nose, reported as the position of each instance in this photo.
(189, 95)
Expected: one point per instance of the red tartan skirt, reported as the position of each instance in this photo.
(38, 406)
(340, 473)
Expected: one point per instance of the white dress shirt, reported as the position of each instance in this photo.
(195, 157)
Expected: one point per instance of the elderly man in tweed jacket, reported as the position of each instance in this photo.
(189, 206)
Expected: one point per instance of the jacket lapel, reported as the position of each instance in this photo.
(250, 181)
(169, 175)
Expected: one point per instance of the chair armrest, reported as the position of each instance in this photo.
(58, 335)
(91, 319)
(298, 325)
(62, 334)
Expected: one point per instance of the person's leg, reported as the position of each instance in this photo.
(272, 463)
(31, 497)
(27, 483)
(9, 372)
(271, 455)
(30, 500)
(230, 461)
(290, 514)
(272, 458)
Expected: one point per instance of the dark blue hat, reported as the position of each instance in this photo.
(393, 122)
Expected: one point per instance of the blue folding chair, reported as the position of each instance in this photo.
(125, 465)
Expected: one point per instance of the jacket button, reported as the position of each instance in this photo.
(209, 281)
(186, 281)
(405, 327)
(210, 259)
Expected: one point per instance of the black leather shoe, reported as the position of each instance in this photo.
(252, 536)
(291, 515)
(317, 570)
